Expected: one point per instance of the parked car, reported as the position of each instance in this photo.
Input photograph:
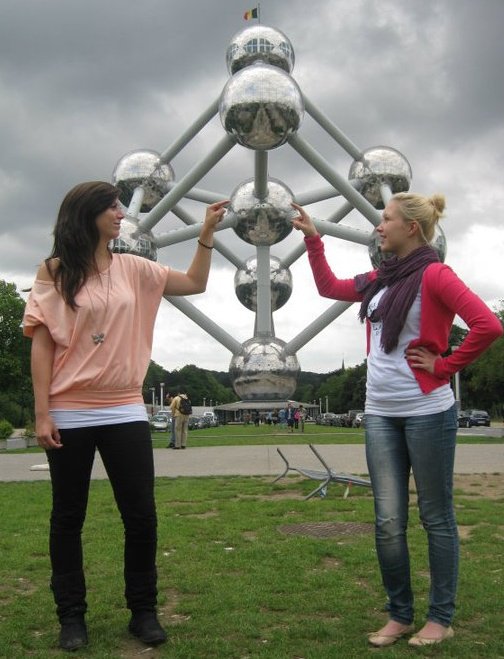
(471, 418)
(338, 420)
(463, 419)
(211, 419)
(324, 419)
(160, 422)
(196, 422)
(358, 420)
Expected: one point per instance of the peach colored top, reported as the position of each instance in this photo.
(86, 375)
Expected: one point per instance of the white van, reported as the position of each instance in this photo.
(211, 417)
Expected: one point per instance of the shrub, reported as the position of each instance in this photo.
(6, 429)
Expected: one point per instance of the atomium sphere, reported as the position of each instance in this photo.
(261, 106)
(259, 42)
(262, 221)
(379, 165)
(142, 245)
(262, 371)
(376, 255)
(142, 168)
(245, 282)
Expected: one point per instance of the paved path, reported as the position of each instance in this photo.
(255, 461)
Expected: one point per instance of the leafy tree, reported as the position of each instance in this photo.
(484, 379)
(16, 401)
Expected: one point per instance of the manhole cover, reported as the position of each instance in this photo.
(326, 529)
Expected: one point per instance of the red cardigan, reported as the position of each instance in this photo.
(443, 295)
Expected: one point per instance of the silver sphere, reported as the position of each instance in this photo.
(142, 168)
(262, 371)
(245, 282)
(379, 165)
(259, 42)
(142, 245)
(262, 221)
(261, 106)
(377, 256)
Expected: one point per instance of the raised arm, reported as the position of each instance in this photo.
(196, 277)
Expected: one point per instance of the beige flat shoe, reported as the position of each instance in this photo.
(421, 641)
(382, 640)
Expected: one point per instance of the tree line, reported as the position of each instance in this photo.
(481, 383)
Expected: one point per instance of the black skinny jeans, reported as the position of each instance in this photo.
(126, 452)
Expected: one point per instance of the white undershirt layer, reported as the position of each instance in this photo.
(392, 389)
(103, 416)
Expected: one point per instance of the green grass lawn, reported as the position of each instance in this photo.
(240, 435)
(238, 580)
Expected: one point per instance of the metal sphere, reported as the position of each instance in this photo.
(376, 255)
(142, 168)
(142, 245)
(379, 165)
(262, 221)
(262, 371)
(245, 282)
(261, 106)
(259, 42)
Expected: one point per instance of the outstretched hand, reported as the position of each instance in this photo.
(303, 221)
(215, 213)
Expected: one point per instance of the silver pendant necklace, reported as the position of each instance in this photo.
(98, 337)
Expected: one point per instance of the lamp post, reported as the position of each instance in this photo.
(161, 386)
(153, 390)
(204, 402)
(327, 403)
(320, 405)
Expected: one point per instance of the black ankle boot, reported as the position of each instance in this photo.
(69, 592)
(141, 599)
(73, 634)
(145, 626)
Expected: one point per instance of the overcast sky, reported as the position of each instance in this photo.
(83, 83)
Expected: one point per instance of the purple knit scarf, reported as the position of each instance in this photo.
(403, 277)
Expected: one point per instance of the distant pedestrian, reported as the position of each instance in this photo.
(289, 417)
(301, 412)
(169, 399)
(181, 411)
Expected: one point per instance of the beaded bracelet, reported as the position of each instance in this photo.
(203, 245)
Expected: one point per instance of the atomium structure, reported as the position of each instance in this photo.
(261, 108)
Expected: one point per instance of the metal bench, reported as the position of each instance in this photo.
(327, 476)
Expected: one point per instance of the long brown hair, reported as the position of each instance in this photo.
(76, 236)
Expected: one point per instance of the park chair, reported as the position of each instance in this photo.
(327, 476)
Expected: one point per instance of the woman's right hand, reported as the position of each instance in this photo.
(303, 221)
(48, 436)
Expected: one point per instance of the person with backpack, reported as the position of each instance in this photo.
(181, 411)
(168, 401)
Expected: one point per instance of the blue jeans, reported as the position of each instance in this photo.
(426, 445)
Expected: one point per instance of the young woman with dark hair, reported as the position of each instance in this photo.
(91, 317)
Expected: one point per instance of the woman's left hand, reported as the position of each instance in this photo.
(421, 358)
(215, 213)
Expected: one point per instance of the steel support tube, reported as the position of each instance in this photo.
(191, 132)
(341, 184)
(194, 314)
(186, 183)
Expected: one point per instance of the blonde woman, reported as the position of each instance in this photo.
(409, 304)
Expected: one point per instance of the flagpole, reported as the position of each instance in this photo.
(259, 12)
